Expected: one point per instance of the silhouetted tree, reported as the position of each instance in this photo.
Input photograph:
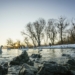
(26, 41)
(61, 25)
(18, 43)
(51, 30)
(73, 31)
(10, 42)
(35, 30)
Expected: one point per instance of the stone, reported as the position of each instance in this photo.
(71, 72)
(53, 69)
(23, 58)
(27, 70)
(71, 62)
(36, 56)
(4, 68)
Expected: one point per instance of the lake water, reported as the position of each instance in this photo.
(47, 54)
(54, 55)
(8, 55)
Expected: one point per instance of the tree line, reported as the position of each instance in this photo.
(54, 29)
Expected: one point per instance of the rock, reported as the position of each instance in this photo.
(71, 72)
(30, 63)
(4, 68)
(53, 69)
(27, 70)
(23, 58)
(52, 62)
(14, 70)
(67, 55)
(1, 69)
(71, 62)
(36, 56)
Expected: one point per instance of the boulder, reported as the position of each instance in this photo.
(67, 55)
(4, 68)
(30, 63)
(71, 72)
(23, 58)
(36, 56)
(71, 62)
(27, 70)
(53, 69)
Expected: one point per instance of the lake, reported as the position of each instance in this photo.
(47, 54)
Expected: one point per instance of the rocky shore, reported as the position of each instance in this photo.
(22, 65)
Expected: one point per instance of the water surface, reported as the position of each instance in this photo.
(47, 54)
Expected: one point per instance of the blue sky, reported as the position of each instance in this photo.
(15, 14)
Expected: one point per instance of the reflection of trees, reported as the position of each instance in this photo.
(53, 53)
(57, 52)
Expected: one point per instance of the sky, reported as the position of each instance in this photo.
(15, 14)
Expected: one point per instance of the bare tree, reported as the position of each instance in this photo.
(26, 41)
(61, 25)
(53, 34)
(39, 27)
(18, 43)
(35, 30)
(73, 30)
(10, 42)
(51, 30)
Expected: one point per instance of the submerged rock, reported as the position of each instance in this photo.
(67, 55)
(23, 58)
(36, 56)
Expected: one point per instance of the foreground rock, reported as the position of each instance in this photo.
(3, 68)
(27, 70)
(54, 69)
(14, 70)
(23, 58)
(71, 62)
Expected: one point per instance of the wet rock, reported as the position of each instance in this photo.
(54, 69)
(71, 62)
(36, 56)
(27, 70)
(52, 62)
(1, 69)
(4, 68)
(67, 55)
(14, 70)
(71, 72)
(30, 63)
(23, 58)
